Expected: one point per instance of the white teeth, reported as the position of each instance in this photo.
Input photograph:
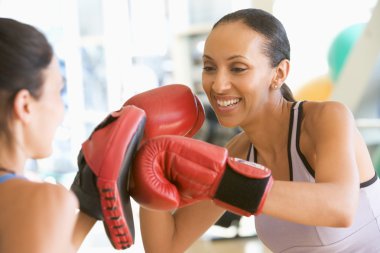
(228, 102)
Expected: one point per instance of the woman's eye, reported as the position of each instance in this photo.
(237, 70)
(208, 68)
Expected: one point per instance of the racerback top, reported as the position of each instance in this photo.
(284, 236)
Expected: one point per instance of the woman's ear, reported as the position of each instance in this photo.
(282, 71)
(22, 105)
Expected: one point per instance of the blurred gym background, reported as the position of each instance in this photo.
(110, 50)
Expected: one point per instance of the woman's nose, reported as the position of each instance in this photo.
(221, 82)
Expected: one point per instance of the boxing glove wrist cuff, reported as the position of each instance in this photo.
(243, 188)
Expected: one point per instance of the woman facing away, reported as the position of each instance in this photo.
(35, 217)
(42, 217)
(324, 196)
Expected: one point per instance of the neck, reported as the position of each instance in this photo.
(7, 170)
(12, 160)
(269, 131)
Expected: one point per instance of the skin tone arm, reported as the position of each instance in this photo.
(175, 233)
(336, 174)
(44, 219)
(83, 225)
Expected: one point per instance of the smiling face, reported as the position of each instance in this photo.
(236, 74)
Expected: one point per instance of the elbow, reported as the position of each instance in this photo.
(339, 218)
(344, 220)
(345, 214)
(344, 205)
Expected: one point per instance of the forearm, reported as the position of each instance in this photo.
(319, 204)
(83, 225)
(172, 233)
(157, 229)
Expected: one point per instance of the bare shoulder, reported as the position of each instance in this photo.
(54, 193)
(329, 113)
(42, 215)
(50, 199)
(238, 146)
(326, 128)
(28, 193)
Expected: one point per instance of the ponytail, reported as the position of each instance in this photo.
(287, 93)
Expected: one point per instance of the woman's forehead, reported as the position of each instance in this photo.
(236, 38)
(52, 74)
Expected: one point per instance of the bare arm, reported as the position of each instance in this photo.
(173, 233)
(332, 200)
(43, 219)
(83, 225)
(46, 220)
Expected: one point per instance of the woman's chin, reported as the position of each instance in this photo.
(228, 123)
(43, 154)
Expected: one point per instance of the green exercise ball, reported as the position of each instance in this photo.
(341, 47)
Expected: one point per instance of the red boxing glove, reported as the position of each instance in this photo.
(173, 171)
(170, 109)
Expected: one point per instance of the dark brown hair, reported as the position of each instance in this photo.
(276, 48)
(24, 53)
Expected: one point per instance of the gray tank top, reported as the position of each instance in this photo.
(284, 236)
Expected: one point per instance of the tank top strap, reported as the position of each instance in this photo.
(292, 135)
(9, 176)
(298, 164)
(252, 154)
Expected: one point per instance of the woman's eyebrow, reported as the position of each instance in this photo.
(205, 56)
